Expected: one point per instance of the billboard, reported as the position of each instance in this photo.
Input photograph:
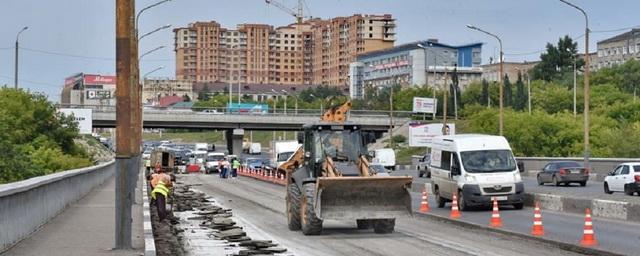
(248, 108)
(82, 116)
(424, 105)
(99, 80)
(72, 80)
(420, 135)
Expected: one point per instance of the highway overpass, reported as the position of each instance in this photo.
(106, 118)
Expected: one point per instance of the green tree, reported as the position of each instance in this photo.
(485, 92)
(557, 60)
(35, 139)
(521, 96)
(508, 94)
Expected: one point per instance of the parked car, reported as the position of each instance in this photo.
(423, 166)
(624, 178)
(379, 170)
(563, 172)
(253, 163)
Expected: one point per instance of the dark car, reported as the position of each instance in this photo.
(563, 172)
(253, 163)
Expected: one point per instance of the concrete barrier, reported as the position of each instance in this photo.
(27, 205)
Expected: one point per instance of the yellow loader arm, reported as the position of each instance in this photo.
(337, 114)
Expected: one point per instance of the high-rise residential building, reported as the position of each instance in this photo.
(314, 52)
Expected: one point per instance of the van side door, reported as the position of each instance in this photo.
(441, 173)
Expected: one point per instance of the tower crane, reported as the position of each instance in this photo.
(295, 13)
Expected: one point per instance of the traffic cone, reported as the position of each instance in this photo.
(538, 229)
(424, 205)
(496, 222)
(455, 213)
(589, 236)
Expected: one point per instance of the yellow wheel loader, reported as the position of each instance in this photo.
(329, 178)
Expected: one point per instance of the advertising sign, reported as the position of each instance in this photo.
(98, 94)
(424, 105)
(420, 135)
(98, 79)
(248, 108)
(72, 80)
(82, 116)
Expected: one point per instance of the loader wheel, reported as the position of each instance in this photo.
(293, 207)
(364, 224)
(384, 226)
(311, 224)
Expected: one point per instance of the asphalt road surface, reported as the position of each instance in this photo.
(262, 204)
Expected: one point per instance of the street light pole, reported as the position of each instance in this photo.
(586, 83)
(153, 31)
(150, 51)
(575, 113)
(15, 77)
(501, 74)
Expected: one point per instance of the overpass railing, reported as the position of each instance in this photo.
(26, 205)
(271, 112)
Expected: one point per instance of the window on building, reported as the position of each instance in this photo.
(370, 35)
(370, 28)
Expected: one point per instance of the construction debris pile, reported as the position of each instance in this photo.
(213, 223)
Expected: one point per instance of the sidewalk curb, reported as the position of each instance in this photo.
(149, 241)
(616, 210)
(561, 245)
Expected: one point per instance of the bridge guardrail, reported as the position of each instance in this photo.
(26, 205)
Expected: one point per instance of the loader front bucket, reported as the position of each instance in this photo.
(353, 198)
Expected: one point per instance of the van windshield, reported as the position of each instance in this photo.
(488, 161)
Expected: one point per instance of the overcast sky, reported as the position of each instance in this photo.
(71, 36)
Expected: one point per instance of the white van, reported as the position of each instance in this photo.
(476, 167)
(385, 157)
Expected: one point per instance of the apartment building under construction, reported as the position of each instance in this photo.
(314, 52)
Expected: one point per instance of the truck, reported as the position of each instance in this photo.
(255, 148)
(212, 161)
(476, 168)
(283, 150)
(329, 178)
(166, 159)
(385, 157)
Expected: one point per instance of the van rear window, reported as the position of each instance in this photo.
(636, 168)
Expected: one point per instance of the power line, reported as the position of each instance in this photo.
(33, 82)
(82, 56)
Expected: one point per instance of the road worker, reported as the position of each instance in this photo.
(235, 165)
(160, 193)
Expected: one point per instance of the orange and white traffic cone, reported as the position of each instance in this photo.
(455, 213)
(496, 222)
(538, 229)
(424, 205)
(589, 236)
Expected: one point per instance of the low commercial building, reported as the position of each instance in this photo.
(491, 72)
(89, 89)
(255, 92)
(415, 64)
(153, 90)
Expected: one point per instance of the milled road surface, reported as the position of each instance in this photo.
(262, 204)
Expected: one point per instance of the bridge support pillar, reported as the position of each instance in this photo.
(234, 141)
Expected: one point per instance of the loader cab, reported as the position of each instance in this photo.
(343, 143)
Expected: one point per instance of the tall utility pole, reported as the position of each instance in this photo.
(391, 111)
(128, 120)
(501, 74)
(15, 77)
(575, 75)
(586, 83)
